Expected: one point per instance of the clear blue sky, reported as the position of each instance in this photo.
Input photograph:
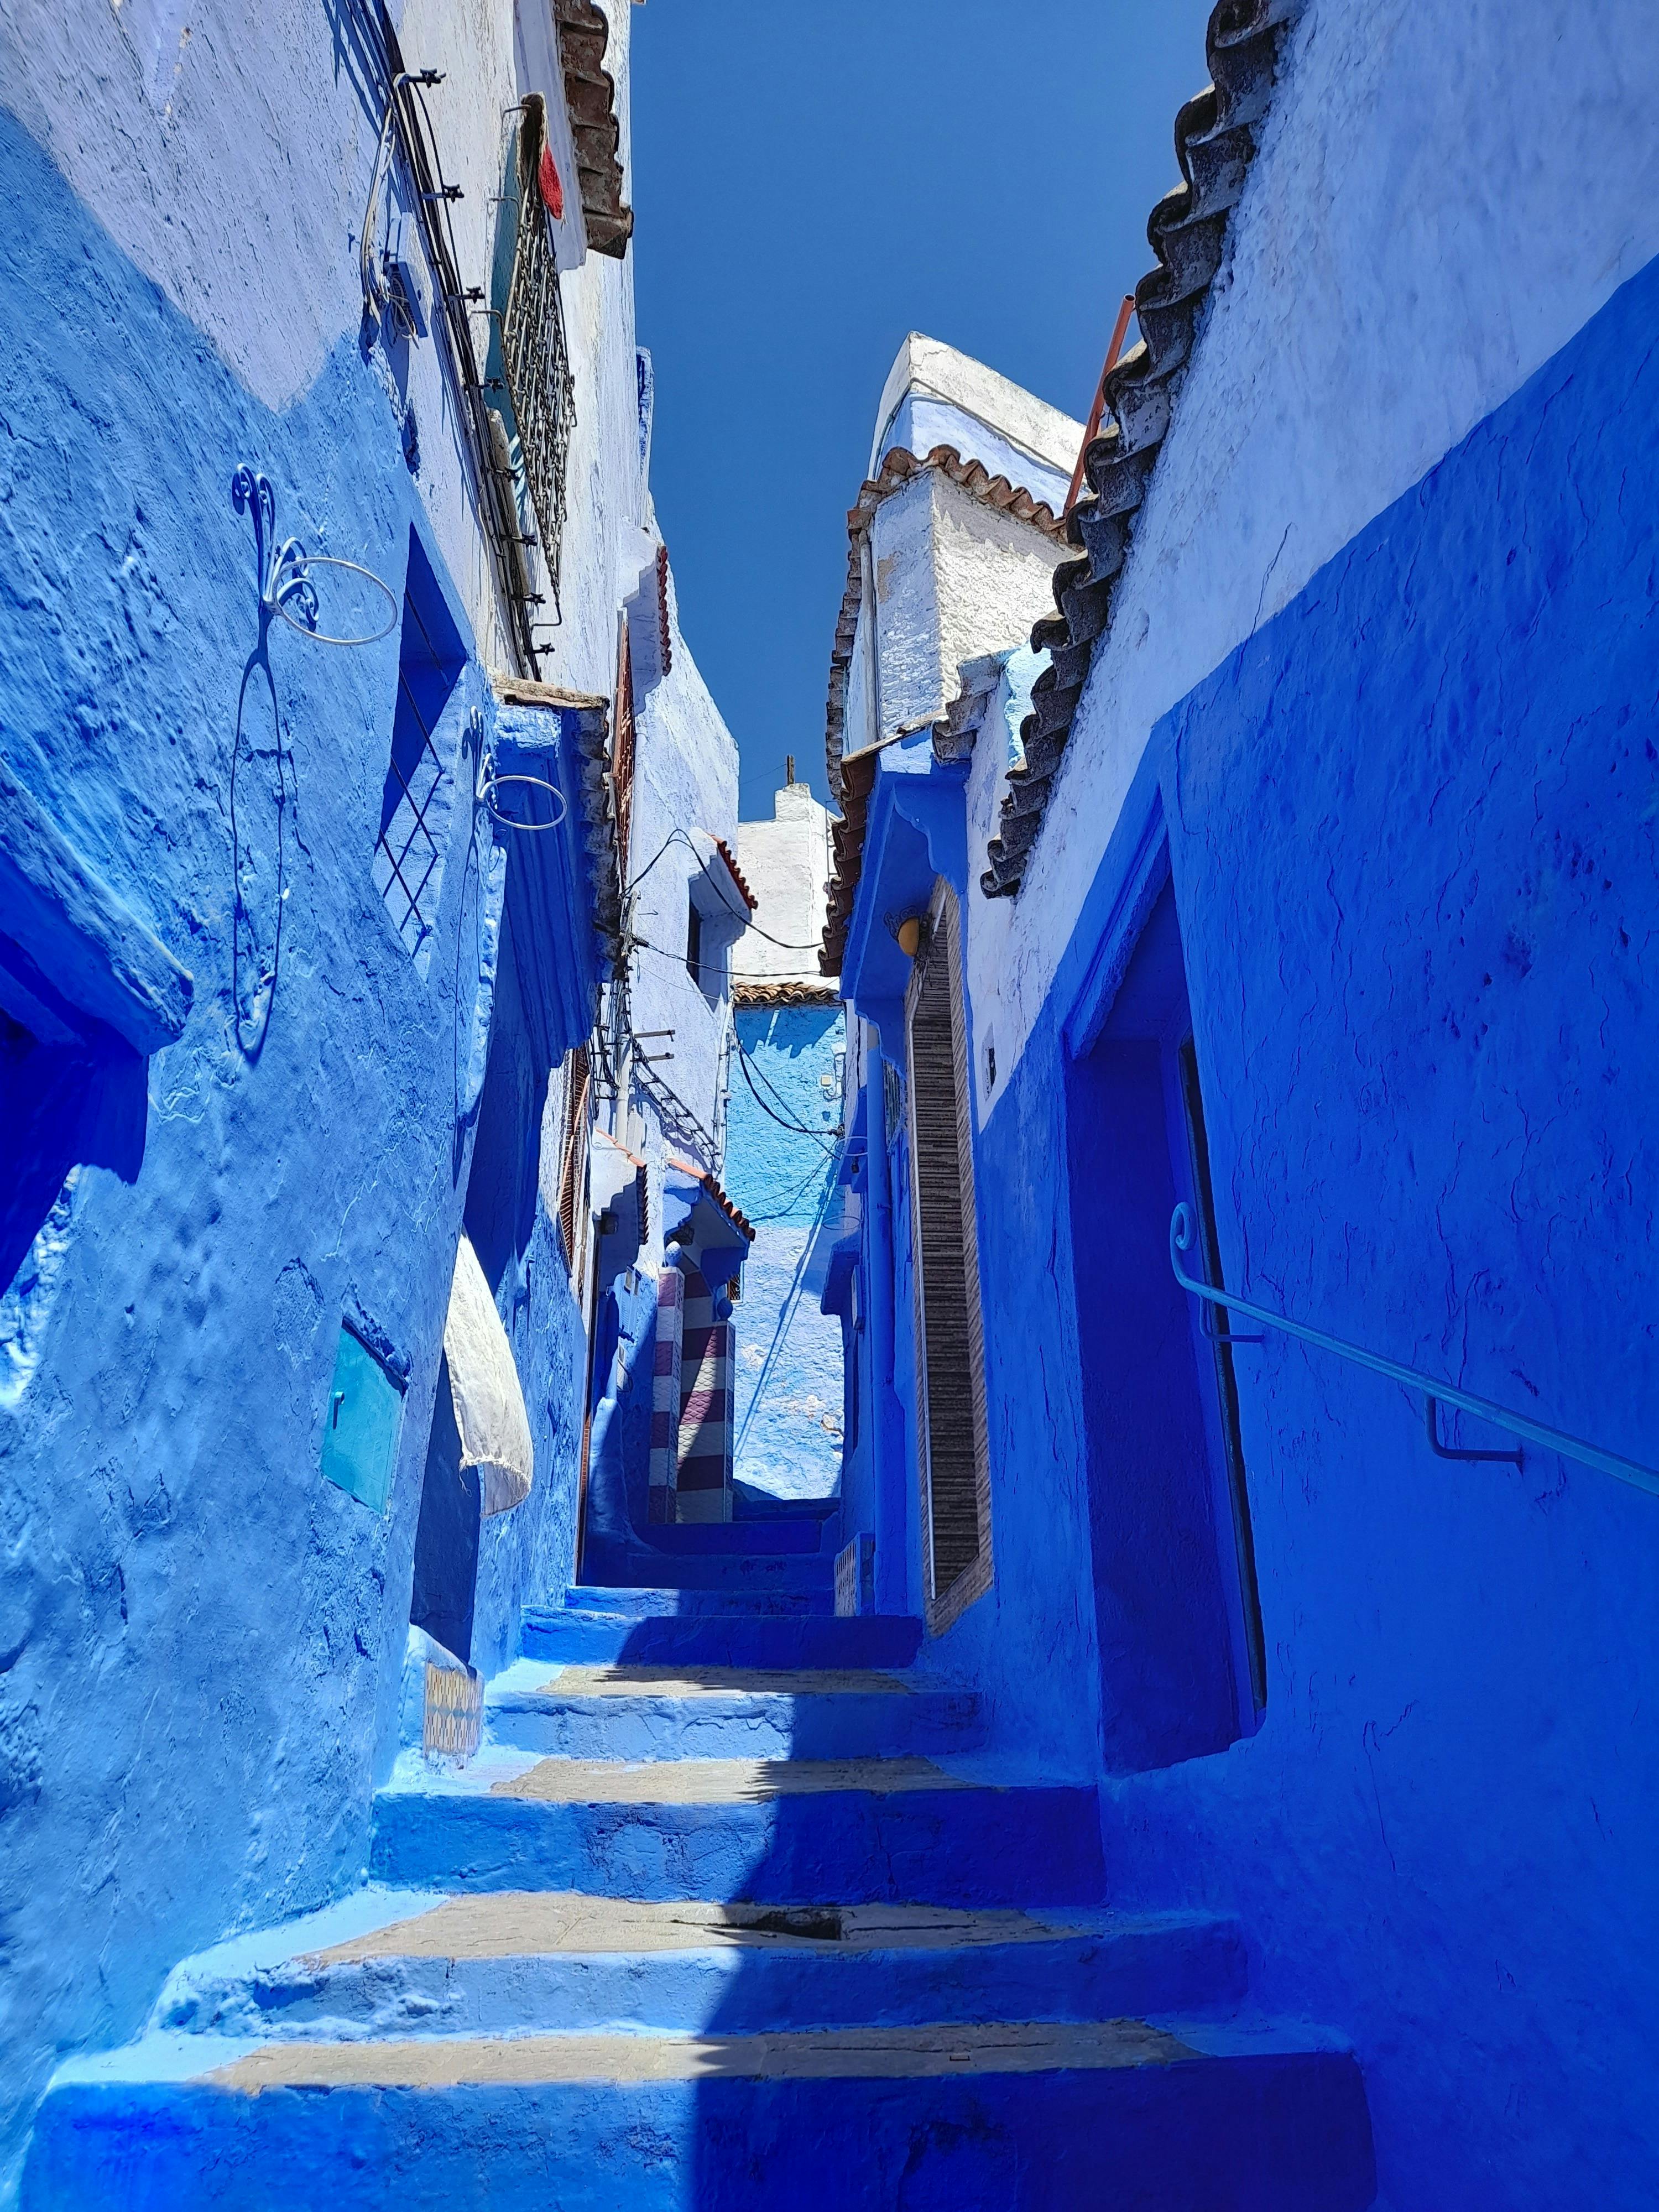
(811, 179)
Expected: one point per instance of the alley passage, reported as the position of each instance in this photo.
(727, 1913)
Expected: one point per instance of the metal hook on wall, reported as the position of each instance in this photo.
(286, 569)
(490, 781)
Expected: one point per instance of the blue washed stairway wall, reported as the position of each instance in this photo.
(731, 1910)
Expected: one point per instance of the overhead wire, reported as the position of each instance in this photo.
(679, 835)
(778, 1098)
(718, 968)
(795, 1128)
(779, 1213)
(786, 1316)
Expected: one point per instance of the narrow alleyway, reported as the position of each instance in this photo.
(728, 1911)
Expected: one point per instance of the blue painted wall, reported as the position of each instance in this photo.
(200, 1636)
(789, 1391)
(1411, 826)
(525, 1555)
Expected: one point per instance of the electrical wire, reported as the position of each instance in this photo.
(795, 1128)
(718, 968)
(781, 1212)
(742, 914)
(402, 95)
(778, 1098)
(645, 1072)
(786, 1317)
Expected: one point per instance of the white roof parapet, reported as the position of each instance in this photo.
(929, 367)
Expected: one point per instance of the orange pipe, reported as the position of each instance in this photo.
(1112, 353)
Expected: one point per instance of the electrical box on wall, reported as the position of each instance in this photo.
(365, 1413)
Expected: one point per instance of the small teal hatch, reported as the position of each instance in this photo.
(360, 1438)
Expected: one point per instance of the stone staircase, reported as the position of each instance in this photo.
(731, 1910)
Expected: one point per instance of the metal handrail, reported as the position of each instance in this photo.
(1183, 1236)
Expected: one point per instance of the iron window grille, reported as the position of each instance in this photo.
(539, 384)
(414, 802)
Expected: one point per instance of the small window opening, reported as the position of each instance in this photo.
(693, 942)
(415, 802)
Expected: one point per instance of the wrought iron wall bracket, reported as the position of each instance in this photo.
(286, 569)
(1183, 1236)
(1206, 1321)
(1431, 1418)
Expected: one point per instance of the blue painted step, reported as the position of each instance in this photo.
(775, 1535)
(675, 1831)
(734, 1582)
(395, 1962)
(826, 2128)
(805, 1714)
(670, 1638)
(751, 1503)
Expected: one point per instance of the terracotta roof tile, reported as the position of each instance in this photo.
(784, 995)
(730, 859)
(1216, 137)
(590, 94)
(738, 1219)
(897, 468)
(846, 841)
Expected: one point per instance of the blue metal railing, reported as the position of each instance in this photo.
(1183, 1236)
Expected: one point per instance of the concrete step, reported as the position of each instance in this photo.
(1021, 2117)
(775, 1536)
(751, 1504)
(671, 1639)
(629, 1712)
(400, 1963)
(790, 1832)
(711, 1586)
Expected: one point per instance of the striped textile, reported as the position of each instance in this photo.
(666, 1393)
(703, 1490)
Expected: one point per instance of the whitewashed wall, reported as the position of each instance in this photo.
(785, 862)
(1403, 257)
(953, 578)
(175, 122)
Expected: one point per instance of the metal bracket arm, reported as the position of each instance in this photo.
(1183, 1237)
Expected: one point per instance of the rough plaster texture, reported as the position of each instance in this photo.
(685, 797)
(203, 1636)
(203, 1639)
(952, 578)
(946, 576)
(789, 1396)
(1441, 201)
(934, 395)
(1411, 825)
(173, 124)
(785, 862)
